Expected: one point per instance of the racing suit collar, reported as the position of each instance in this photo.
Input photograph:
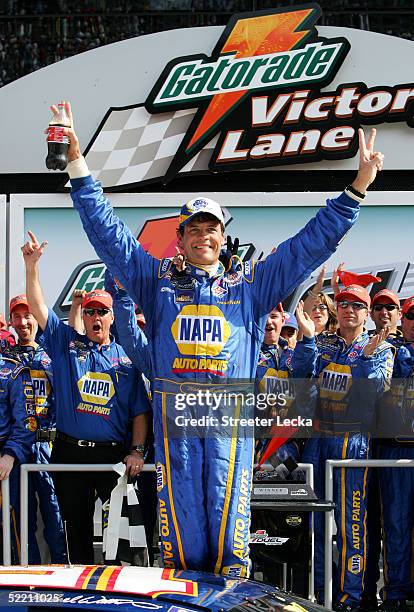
(205, 271)
(100, 347)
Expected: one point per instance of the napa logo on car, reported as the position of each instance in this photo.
(200, 330)
(96, 388)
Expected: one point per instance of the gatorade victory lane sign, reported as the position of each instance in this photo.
(256, 101)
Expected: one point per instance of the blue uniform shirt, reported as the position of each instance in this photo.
(40, 369)
(97, 389)
(17, 410)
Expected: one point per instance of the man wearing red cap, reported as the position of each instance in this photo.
(386, 312)
(397, 485)
(353, 371)
(97, 393)
(30, 354)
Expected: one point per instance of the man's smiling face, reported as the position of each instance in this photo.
(201, 241)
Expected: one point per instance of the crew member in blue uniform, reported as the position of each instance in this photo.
(397, 484)
(31, 354)
(17, 427)
(353, 370)
(97, 393)
(205, 325)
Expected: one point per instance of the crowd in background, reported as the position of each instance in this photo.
(36, 34)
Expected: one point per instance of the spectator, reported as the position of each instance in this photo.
(97, 392)
(320, 306)
(290, 329)
(30, 354)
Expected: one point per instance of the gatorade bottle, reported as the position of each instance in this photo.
(57, 142)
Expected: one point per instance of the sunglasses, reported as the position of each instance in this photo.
(102, 312)
(409, 316)
(319, 307)
(389, 307)
(354, 305)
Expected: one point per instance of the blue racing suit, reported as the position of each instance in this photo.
(207, 330)
(41, 483)
(397, 484)
(349, 387)
(278, 372)
(17, 427)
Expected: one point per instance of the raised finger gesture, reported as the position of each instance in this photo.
(370, 161)
(32, 250)
(375, 341)
(305, 323)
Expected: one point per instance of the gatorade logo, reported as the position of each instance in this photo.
(200, 330)
(96, 387)
(335, 381)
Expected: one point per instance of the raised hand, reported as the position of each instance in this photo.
(375, 341)
(179, 260)
(335, 278)
(305, 323)
(77, 297)
(74, 148)
(32, 250)
(370, 161)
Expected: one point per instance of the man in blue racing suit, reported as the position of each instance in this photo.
(353, 371)
(204, 327)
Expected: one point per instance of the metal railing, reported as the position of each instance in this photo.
(25, 468)
(329, 518)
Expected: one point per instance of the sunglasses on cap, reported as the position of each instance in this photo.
(389, 307)
(354, 305)
(409, 316)
(319, 307)
(102, 312)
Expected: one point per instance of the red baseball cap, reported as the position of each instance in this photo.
(355, 292)
(98, 297)
(389, 295)
(3, 322)
(408, 304)
(18, 300)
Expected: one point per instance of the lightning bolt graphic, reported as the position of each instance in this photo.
(247, 37)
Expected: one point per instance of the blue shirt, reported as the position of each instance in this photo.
(97, 389)
(17, 410)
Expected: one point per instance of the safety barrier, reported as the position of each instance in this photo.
(329, 518)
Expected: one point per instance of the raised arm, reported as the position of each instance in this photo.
(112, 240)
(75, 312)
(130, 336)
(32, 252)
(295, 259)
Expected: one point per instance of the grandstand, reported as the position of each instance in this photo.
(34, 34)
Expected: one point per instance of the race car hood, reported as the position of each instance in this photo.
(128, 588)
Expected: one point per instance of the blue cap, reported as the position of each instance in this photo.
(290, 321)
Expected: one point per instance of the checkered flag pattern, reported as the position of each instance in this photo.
(123, 526)
(134, 146)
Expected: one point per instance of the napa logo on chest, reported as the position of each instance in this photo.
(41, 385)
(277, 381)
(200, 330)
(335, 381)
(96, 387)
